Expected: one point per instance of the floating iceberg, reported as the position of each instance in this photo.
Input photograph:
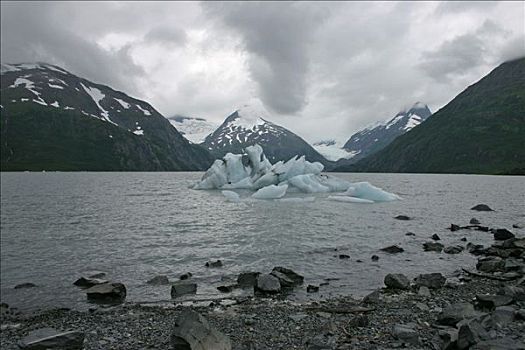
(253, 171)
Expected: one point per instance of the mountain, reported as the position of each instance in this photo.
(247, 126)
(51, 119)
(374, 138)
(482, 131)
(333, 150)
(193, 129)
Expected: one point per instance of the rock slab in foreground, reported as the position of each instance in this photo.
(431, 280)
(49, 338)
(182, 288)
(107, 292)
(267, 283)
(192, 332)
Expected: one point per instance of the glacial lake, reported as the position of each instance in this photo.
(56, 227)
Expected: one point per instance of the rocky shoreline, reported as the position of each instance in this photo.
(478, 308)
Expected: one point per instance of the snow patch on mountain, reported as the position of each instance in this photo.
(97, 96)
(193, 129)
(333, 150)
(123, 103)
(145, 111)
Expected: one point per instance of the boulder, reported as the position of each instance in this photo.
(490, 264)
(159, 280)
(454, 313)
(25, 285)
(453, 249)
(432, 247)
(182, 288)
(192, 331)
(487, 301)
(294, 276)
(402, 217)
(470, 332)
(247, 279)
(515, 292)
(406, 333)
(481, 207)
(107, 292)
(216, 263)
(502, 234)
(431, 280)
(397, 281)
(474, 221)
(267, 283)
(502, 316)
(393, 249)
(284, 280)
(518, 243)
(435, 237)
(446, 339)
(49, 338)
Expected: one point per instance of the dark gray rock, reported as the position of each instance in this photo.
(182, 288)
(446, 339)
(474, 221)
(49, 338)
(25, 285)
(373, 297)
(393, 249)
(406, 333)
(185, 276)
(486, 301)
(97, 275)
(470, 332)
(431, 280)
(192, 331)
(515, 292)
(312, 289)
(159, 280)
(475, 249)
(502, 234)
(454, 313)
(294, 276)
(502, 316)
(507, 343)
(454, 227)
(107, 292)
(225, 289)
(87, 282)
(432, 247)
(463, 239)
(481, 207)
(284, 280)
(375, 258)
(397, 281)
(410, 234)
(424, 292)
(216, 263)
(344, 256)
(453, 249)
(490, 264)
(517, 226)
(402, 217)
(267, 283)
(247, 279)
(435, 237)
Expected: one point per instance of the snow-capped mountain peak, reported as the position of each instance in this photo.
(193, 129)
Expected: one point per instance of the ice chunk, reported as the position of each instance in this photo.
(334, 184)
(215, 176)
(270, 192)
(296, 199)
(367, 191)
(231, 196)
(307, 183)
(258, 161)
(245, 183)
(349, 199)
(269, 178)
(235, 170)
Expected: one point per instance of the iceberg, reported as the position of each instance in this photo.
(253, 171)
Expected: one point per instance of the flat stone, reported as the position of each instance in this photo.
(402, 217)
(225, 289)
(393, 249)
(502, 234)
(192, 331)
(506, 343)
(49, 338)
(454, 313)
(182, 288)
(247, 279)
(454, 249)
(159, 280)
(481, 207)
(25, 285)
(492, 301)
(474, 221)
(87, 282)
(516, 293)
(432, 247)
(216, 263)
(107, 292)
(406, 333)
(294, 276)
(397, 281)
(284, 280)
(502, 316)
(431, 280)
(490, 264)
(373, 297)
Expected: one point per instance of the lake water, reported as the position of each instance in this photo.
(56, 227)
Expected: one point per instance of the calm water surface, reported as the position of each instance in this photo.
(56, 227)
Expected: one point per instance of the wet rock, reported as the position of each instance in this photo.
(474, 221)
(267, 283)
(517, 226)
(393, 249)
(431, 280)
(373, 297)
(406, 333)
(159, 280)
(520, 314)
(284, 280)
(446, 339)
(185, 276)
(432, 247)
(49, 338)
(502, 316)
(490, 264)
(486, 301)
(25, 285)
(225, 289)
(435, 237)
(516, 293)
(454, 313)
(453, 249)
(375, 258)
(247, 279)
(87, 282)
(424, 292)
(402, 217)
(410, 234)
(502, 234)
(181, 288)
(470, 332)
(481, 207)
(192, 331)
(107, 292)
(216, 263)
(294, 276)
(463, 239)
(518, 243)
(475, 249)
(397, 281)
(454, 227)
(344, 256)
(312, 289)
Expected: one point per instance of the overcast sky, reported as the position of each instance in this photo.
(323, 69)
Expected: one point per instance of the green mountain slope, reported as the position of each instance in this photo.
(481, 131)
(51, 119)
